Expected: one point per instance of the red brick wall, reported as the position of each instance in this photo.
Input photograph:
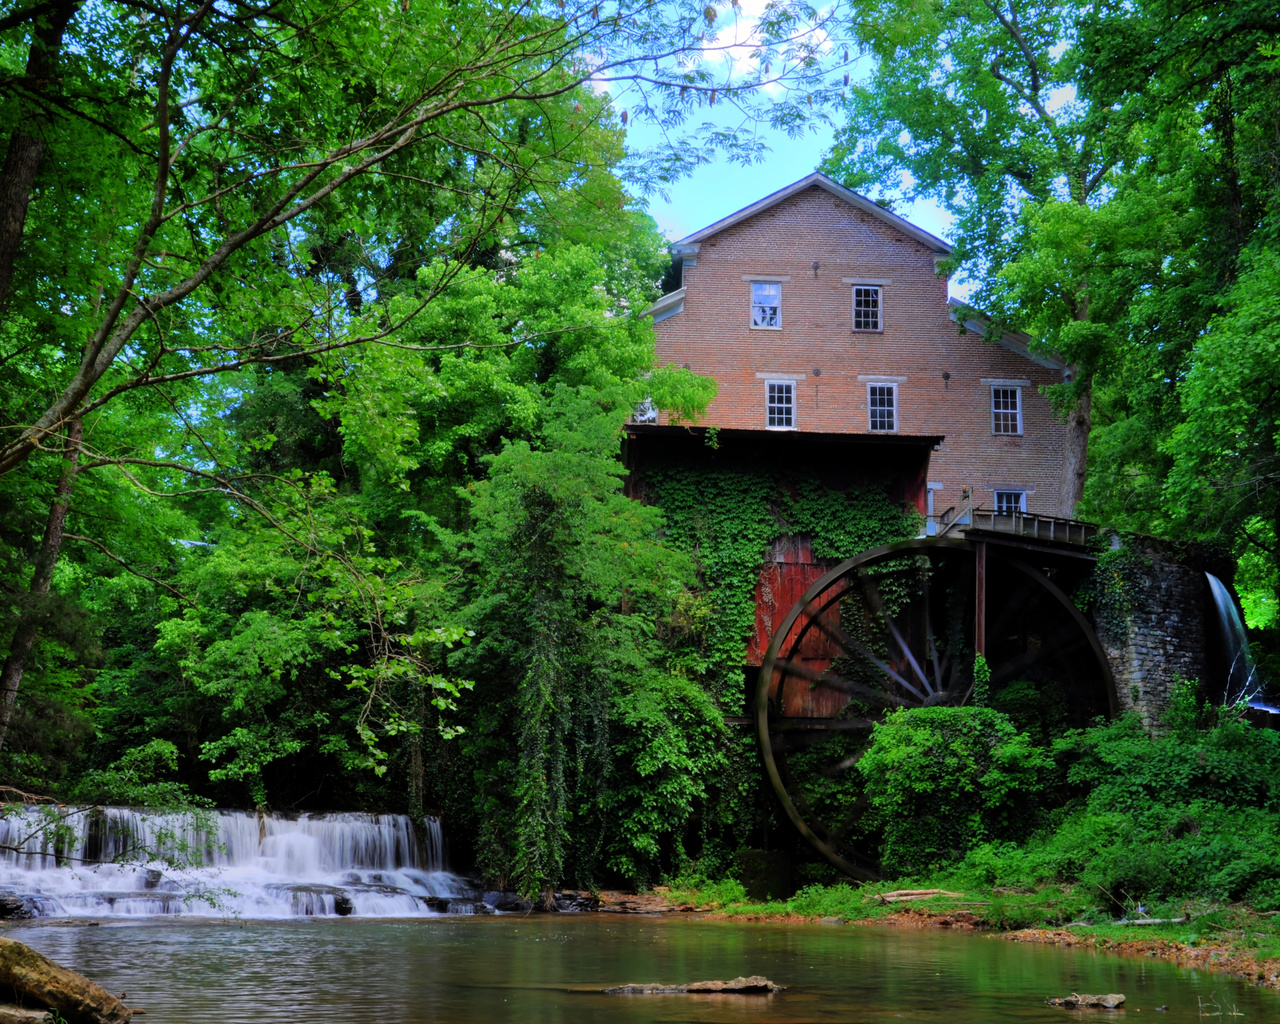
(713, 336)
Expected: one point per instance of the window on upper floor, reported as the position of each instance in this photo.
(1011, 501)
(781, 403)
(645, 412)
(766, 304)
(1006, 410)
(866, 307)
(882, 404)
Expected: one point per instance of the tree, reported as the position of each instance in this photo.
(977, 104)
(229, 126)
(194, 188)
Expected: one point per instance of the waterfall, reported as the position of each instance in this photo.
(1242, 685)
(119, 861)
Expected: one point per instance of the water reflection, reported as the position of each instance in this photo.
(534, 970)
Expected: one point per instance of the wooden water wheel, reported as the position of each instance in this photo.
(899, 626)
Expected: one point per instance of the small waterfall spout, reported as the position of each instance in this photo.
(114, 861)
(1242, 684)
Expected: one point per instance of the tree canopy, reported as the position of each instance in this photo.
(320, 323)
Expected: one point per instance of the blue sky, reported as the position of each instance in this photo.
(717, 190)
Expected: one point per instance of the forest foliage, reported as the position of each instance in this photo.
(320, 323)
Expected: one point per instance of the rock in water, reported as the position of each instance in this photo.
(754, 985)
(1109, 1002)
(37, 979)
(10, 1014)
(14, 907)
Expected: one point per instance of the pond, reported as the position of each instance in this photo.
(532, 970)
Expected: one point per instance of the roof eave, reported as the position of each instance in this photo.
(669, 304)
(1014, 341)
(689, 243)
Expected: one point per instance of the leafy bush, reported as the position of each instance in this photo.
(1190, 814)
(699, 889)
(941, 780)
(139, 779)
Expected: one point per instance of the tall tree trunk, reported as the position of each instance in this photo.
(1079, 420)
(27, 142)
(24, 637)
(417, 771)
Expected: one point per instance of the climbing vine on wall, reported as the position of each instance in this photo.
(727, 519)
(1114, 590)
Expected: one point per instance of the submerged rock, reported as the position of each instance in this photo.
(508, 902)
(1109, 1002)
(126, 901)
(755, 985)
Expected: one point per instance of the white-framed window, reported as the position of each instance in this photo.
(780, 403)
(1006, 410)
(645, 412)
(766, 304)
(866, 308)
(882, 406)
(1011, 501)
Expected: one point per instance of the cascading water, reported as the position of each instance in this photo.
(1242, 684)
(116, 861)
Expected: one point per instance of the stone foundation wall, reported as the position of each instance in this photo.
(1152, 624)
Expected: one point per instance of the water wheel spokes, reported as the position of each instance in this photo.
(894, 628)
(889, 629)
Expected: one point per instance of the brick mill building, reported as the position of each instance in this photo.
(822, 316)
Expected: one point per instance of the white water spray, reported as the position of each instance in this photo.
(1242, 685)
(111, 861)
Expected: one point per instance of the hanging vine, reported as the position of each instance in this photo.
(727, 519)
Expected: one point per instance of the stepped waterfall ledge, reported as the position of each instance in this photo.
(117, 862)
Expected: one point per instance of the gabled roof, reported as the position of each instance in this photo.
(1014, 341)
(690, 243)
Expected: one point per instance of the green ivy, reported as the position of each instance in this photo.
(727, 519)
(1116, 591)
(981, 681)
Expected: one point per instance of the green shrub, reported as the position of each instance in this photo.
(1192, 814)
(942, 780)
(698, 888)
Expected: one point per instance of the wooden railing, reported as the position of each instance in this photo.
(1020, 524)
(955, 521)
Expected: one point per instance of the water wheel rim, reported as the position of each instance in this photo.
(842, 855)
(845, 860)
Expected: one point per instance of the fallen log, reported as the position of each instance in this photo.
(755, 985)
(34, 978)
(1109, 1002)
(909, 892)
(910, 895)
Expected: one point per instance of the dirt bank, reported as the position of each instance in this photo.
(1219, 958)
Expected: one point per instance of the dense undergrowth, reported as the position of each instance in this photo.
(1099, 824)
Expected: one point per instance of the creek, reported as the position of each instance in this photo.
(535, 970)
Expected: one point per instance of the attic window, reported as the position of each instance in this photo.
(866, 307)
(766, 304)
